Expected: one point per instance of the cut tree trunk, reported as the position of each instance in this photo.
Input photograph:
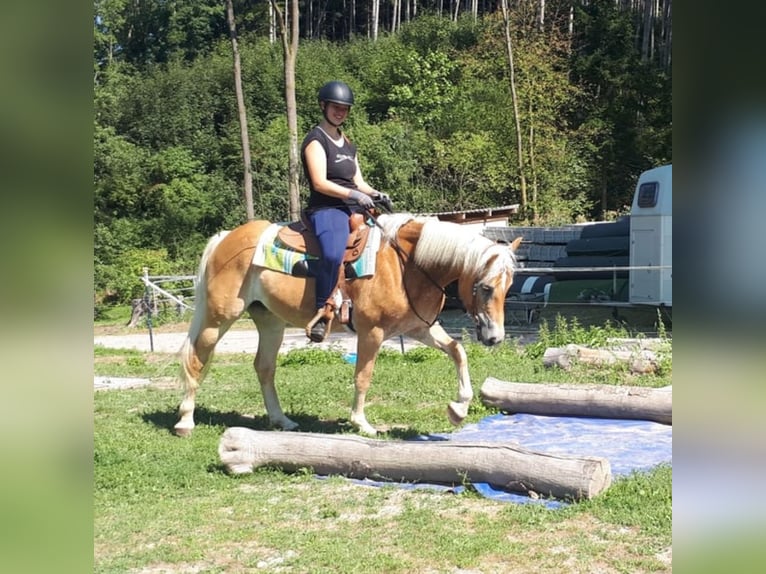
(600, 401)
(503, 465)
(638, 361)
(139, 310)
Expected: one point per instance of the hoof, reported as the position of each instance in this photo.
(456, 412)
(367, 429)
(285, 424)
(183, 431)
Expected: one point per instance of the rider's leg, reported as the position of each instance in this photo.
(331, 229)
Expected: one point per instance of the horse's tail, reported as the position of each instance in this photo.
(187, 354)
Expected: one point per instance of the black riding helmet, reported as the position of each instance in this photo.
(337, 92)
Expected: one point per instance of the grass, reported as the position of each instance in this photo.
(164, 504)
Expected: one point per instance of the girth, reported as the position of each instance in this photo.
(299, 237)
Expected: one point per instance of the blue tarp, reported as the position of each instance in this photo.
(629, 445)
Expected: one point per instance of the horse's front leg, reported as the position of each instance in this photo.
(437, 337)
(367, 348)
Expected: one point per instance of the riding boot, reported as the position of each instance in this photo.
(321, 324)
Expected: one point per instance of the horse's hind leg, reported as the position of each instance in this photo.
(437, 337)
(196, 357)
(271, 331)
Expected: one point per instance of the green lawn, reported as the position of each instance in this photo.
(164, 504)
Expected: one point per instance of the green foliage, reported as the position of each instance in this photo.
(122, 283)
(570, 331)
(621, 111)
(421, 86)
(433, 119)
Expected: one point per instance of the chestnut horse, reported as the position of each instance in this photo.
(417, 258)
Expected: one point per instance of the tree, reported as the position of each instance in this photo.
(515, 101)
(248, 170)
(290, 53)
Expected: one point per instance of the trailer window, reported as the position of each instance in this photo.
(648, 194)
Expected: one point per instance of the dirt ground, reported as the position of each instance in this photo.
(243, 337)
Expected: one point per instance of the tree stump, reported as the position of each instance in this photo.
(601, 401)
(139, 310)
(504, 465)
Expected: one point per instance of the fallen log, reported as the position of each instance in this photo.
(601, 401)
(638, 361)
(503, 465)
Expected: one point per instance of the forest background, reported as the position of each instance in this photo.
(442, 121)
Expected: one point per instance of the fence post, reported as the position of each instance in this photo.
(147, 302)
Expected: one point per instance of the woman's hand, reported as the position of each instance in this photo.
(364, 200)
(384, 200)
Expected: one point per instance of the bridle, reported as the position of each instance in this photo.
(404, 257)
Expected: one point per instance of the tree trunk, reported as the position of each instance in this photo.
(248, 170)
(638, 360)
(511, 70)
(532, 170)
(272, 25)
(290, 48)
(375, 18)
(667, 35)
(647, 44)
(599, 401)
(503, 465)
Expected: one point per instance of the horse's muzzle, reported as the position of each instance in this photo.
(489, 334)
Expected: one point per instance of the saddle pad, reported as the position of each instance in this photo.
(273, 254)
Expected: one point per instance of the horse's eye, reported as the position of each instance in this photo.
(487, 289)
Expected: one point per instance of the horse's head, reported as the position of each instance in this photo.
(483, 291)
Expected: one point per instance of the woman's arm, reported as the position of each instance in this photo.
(362, 185)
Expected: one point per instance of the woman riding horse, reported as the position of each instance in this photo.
(337, 189)
(417, 258)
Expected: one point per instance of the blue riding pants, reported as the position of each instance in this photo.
(331, 228)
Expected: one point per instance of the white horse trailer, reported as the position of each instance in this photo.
(651, 238)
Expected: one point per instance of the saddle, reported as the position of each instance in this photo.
(299, 236)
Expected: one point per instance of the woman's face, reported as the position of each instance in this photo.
(336, 113)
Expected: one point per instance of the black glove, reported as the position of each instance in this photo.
(384, 200)
(362, 199)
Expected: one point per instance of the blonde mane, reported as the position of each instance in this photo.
(447, 244)
(450, 245)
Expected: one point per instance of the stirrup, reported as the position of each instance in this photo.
(320, 325)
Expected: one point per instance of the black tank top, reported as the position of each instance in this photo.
(341, 167)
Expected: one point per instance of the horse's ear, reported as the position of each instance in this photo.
(515, 244)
